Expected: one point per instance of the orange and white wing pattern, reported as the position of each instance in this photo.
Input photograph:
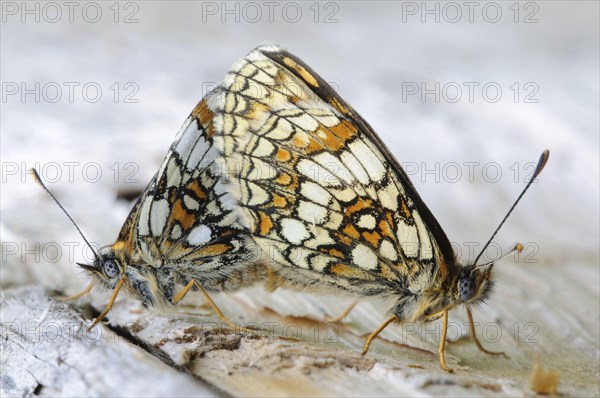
(324, 197)
(273, 167)
(187, 223)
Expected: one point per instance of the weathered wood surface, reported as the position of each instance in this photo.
(46, 349)
(550, 308)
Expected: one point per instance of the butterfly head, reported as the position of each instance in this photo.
(475, 284)
(106, 270)
(113, 269)
(470, 284)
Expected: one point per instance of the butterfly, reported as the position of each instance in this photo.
(274, 178)
(328, 202)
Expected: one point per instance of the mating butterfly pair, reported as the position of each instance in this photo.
(273, 178)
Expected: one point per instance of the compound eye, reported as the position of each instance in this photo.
(467, 288)
(110, 268)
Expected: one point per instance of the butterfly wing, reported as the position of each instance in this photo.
(187, 221)
(322, 194)
(276, 155)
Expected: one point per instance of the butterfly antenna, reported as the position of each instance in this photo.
(38, 180)
(518, 247)
(540, 166)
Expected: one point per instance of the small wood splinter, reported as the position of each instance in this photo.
(544, 381)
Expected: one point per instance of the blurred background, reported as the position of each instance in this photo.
(465, 95)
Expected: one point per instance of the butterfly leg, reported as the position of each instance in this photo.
(376, 333)
(476, 340)
(214, 306)
(78, 295)
(110, 302)
(443, 342)
(342, 315)
(183, 292)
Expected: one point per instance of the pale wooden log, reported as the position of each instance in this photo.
(296, 353)
(47, 351)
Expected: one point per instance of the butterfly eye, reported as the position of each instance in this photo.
(110, 268)
(467, 289)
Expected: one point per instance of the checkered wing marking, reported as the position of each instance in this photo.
(321, 192)
(187, 218)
